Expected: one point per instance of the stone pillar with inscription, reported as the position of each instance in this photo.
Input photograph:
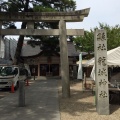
(101, 72)
(64, 60)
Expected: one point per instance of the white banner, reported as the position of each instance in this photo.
(92, 75)
(80, 76)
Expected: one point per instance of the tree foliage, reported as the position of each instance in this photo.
(86, 43)
(113, 35)
(35, 6)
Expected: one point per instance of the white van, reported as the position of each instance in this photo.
(10, 74)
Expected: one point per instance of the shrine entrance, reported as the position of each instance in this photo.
(62, 18)
(49, 69)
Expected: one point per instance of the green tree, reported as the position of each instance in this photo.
(86, 43)
(113, 35)
(35, 6)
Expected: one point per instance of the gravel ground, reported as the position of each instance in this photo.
(81, 105)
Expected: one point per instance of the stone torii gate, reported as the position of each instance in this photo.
(62, 18)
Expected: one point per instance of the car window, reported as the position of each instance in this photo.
(16, 71)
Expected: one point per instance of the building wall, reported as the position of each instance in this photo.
(36, 65)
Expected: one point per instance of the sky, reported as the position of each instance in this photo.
(101, 11)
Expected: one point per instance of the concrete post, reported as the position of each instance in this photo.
(21, 93)
(101, 73)
(64, 60)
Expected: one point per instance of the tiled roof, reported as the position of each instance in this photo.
(71, 49)
(27, 50)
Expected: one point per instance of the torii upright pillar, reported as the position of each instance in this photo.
(64, 59)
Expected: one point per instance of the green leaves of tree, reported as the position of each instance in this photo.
(87, 41)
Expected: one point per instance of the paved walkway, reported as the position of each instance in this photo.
(41, 103)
